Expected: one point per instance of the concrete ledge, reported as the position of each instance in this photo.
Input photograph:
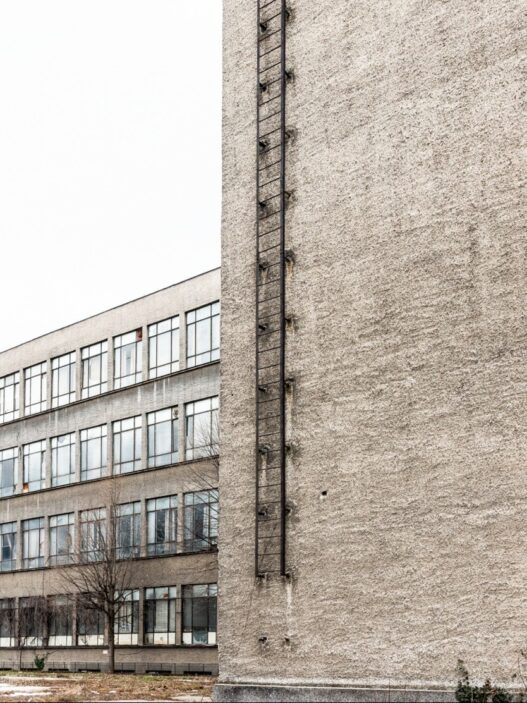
(259, 693)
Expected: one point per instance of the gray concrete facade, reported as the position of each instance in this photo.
(188, 474)
(406, 539)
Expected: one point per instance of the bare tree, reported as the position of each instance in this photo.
(101, 576)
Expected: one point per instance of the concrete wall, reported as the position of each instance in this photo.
(409, 293)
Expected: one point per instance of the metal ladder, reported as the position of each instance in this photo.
(271, 260)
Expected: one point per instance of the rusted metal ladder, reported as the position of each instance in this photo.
(271, 197)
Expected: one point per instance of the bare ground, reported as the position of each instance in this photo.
(32, 687)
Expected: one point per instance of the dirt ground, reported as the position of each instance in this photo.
(80, 688)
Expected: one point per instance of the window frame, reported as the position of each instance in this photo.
(117, 439)
(167, 546)
(39, 448)
(98, 350)
(30, 560)
(193, 543)
(201, 451)
(64, 361)
(119, 358)
(10, 399)
(57, 444)
(4, 458)
(155, 370)
(8, 529)
(210, 312)
(153, 422)
(37, 373)
(160, 636)
(188, 632)
(85, 440)
(56, 523)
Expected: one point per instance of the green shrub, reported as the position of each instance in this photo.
(40, 662)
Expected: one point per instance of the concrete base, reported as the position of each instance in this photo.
(259, 693)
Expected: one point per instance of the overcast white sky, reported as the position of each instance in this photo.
(110, 170)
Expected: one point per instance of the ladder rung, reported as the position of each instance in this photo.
(268, 300)
(266, 35)
(267, 4)
(262, 119)
(270, 51)
(270, 231)
(270, 68)
(266, 102)
(273, 180)
(262, 168)
(273, 246)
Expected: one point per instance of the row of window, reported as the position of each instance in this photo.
(105, 534)
(162, 442)
(62, 621)
(203, 345)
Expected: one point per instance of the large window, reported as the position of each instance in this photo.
(201, 430)
(90, 627)
(94, 369)
(199, 614)
(203, 335)
(127, 445)
(9, 402)
(163, 347)
(60, 621)
(32, 621)
(63, 459)
(8, 471)
(34, 465)
(93, 534)
(128, 359)
(201, 520)
(8, 546)
(63, 380)
(35, 388)
(93, 452)
(161, 525)
(61, 538)
(128, 536)
(160, 615)
(127, 619)
(163, 430)
(7, 622)
(33, 543)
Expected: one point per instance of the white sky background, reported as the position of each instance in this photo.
(110, 154)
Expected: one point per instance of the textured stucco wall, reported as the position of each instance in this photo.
(409, 351)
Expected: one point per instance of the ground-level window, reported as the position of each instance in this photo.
(127, 445)
(90, 627)
(8, 546)
(61, 539)
(161, 525)
(34, 465)
(201, 428)
(127, 619)
(199, 614)
(8, 471)
(32, 621)
(7, 622)
(163, 430)
(63, 459)
(33, 543)
(9, 399)
(93, 452)
(60, 621)
(160, 615)
(128, 536)
(201, 520)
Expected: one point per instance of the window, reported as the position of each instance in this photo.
(160, 615)
(94, 369)
(63, 380)
(60, 619)
(127, 445)
(203, 335)
(90, 627)
(163, 441)
(35, 388)
(8, 546)
(161, 525)
(7, 622)
(127, 359)
(201, 520)
(34, 465)
(32, 621)
(128, 534)
(63, 459)
(93, 452)
(127, 619)
(93, 534)
(8, 471)
(33, 543)
(9, 403)
(201, 431)
(163, 347)
(61, 539)
(199, 614)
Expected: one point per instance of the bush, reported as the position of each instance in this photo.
(40, 662)
(466, 693)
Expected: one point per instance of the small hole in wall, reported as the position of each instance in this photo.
(323, 494)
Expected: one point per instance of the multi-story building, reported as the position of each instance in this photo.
(116, 414)
(374, 449)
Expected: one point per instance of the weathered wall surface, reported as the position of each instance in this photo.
(409, 352)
